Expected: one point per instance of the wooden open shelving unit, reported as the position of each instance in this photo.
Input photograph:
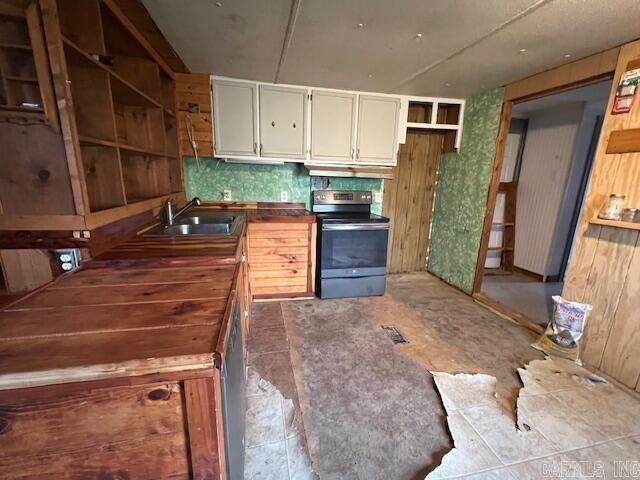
(88, 116)
(615, 223)
(124, 107)
(25, 84)
(438, 114)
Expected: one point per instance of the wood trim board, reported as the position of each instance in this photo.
(624, 141)
(492, 195)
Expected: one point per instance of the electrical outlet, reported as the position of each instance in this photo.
(226, 195)
(377, 197)
(284, 196)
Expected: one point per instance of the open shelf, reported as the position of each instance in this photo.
(123, 87)
(80, 22)
(15, 46)
(103, 177)
(14, 30)
(139, 128)
(615, 223)
(448, 114)
(144, 176)
(141, 73)
(20, 95)
(420, 112)
(96, 141)
(90, 88)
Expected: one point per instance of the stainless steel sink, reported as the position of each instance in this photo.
(207, 219)
(203, 224)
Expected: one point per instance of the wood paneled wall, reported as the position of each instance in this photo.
(408, 201)
(604, 269)
(25, 270)
(194, 89)
(565, 76)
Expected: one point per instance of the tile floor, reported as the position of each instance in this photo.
(275, 441)
(569, 427)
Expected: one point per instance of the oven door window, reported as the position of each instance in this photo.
(354, 249)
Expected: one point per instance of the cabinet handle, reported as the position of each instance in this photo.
(260, 149)
(255, 147)
(273, 124)
(294, 124)
(353, 153)
(358, 153)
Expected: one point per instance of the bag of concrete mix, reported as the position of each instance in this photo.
(564, 332)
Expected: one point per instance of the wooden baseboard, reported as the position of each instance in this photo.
(278, 297)
(505, 312)
(528, 273)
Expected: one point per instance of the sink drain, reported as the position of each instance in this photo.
(394, 334)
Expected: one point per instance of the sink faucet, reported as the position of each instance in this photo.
(171, 216)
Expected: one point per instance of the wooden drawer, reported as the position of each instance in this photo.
(281, 259)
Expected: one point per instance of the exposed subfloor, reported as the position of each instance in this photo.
(370, 409)
(522, 294)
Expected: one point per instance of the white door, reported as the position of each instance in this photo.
(234, 118)
(333, 116)
(283, 112)
(378, 119)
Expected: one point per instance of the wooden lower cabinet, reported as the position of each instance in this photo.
(159, 430)
(281, 260)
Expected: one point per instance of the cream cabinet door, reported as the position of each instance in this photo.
(333, 118)
(378, 119)
(283, 113)
(235, 120)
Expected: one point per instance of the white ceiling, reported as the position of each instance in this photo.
(466, 45)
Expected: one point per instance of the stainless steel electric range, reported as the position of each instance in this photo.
(352, 245)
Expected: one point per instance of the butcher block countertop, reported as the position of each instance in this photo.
(160, 310)
(220, 250)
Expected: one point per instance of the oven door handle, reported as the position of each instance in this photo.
(355, 226)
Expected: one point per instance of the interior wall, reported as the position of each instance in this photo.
(461, 195)
(604, 268)
(25, 270)
(546, 163)
(262, 183)
(574, 182)
(408, 201)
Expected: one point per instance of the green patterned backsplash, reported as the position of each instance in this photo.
(461, 197)
(262, 183)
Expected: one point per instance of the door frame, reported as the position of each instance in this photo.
(580, 73)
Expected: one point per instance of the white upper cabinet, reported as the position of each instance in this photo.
(283, 126)
(378, 119)
(235, 120)
(268, 123)
(333, 118)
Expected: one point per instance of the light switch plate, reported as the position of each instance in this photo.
(284, 196)
(377, 197)
(226, 195)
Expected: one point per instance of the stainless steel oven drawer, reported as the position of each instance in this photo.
(352, 287)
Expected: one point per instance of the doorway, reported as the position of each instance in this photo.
(547, 163)
(408, 201)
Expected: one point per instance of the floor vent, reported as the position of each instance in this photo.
(394, 334)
